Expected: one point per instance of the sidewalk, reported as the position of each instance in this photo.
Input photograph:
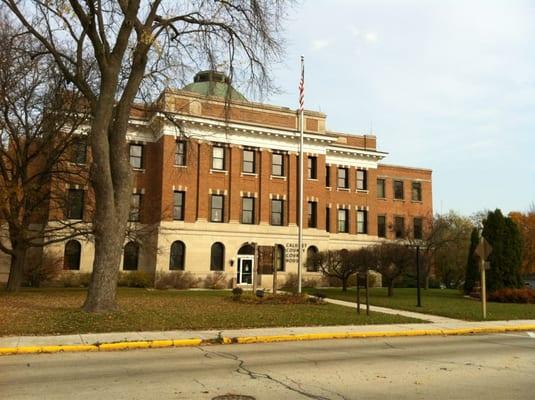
(425, 317)
(138, 340)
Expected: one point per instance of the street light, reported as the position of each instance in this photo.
(417, 245)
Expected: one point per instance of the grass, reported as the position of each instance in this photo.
(57, 311)
(445, 302)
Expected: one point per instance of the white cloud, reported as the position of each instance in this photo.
(320, 44)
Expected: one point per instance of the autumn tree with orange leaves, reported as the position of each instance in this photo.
(526, 225)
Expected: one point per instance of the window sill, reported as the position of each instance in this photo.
(180, 166)
(142, 170)
(218, 171)
(400, 200)
(417, 201)
(364, 191)
(381, 198)
(253, 174)
(282, 178)
(313, 179)
(342, 189)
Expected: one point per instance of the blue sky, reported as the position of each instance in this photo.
(448, 85)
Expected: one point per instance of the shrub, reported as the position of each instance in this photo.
(136, 279)
(176, 280)
(509, 295)
(291, 282)
(310, 283)
(236, 293)
(216, 280)
(44, 270)
(75, 279)
(319, 295)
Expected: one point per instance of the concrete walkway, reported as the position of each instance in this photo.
(268, 334)
(425, 317)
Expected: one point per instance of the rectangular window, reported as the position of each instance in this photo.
(328, 175)
(312, 167)
(381, 189)
(136, 156)
(180, 153)
(249, 161)
(312, 214)
(277, 215)
(342, 220)
(417, 225)
(362, 221)
(135, 207)
(247, 210)
(277, 164)
(217, 208)
(381, 226)
(75, 204)
(218, 158)
(328, 219)
(342, 178)
(362, 179)
(79, 150)
(178, 205)
(398, 190)
(399, 227)
(417, 191)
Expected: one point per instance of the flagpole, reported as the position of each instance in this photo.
(301, 177)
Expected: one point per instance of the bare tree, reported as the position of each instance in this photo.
(334, 264)
(39, 120)
(443, 240)
(137, 45)
(392, 260)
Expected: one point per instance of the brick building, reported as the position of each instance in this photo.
(215, 174)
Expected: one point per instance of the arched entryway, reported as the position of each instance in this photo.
(244, 274)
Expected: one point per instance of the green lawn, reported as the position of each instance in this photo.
(445, 302)
(57, 311)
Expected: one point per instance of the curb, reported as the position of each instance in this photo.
(194, 342)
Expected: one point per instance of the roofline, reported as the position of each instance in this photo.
(405, 167)
(247, 103)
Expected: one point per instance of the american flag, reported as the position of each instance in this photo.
(302, 86)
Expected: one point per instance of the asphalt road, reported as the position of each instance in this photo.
(500, 366)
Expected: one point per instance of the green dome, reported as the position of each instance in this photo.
(213, 83)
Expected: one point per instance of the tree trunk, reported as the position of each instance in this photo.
(101, 296)
(112, 182)
(391, 288)
(344, 284)
(16, 270)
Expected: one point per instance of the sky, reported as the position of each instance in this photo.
(445, 85)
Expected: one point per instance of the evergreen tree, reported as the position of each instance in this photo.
(506, 257)
(472, 265)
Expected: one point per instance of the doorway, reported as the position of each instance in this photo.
(245, 270)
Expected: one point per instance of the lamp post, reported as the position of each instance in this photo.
(418, 293)
(417, 246)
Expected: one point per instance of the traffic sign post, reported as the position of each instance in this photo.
(483, 251)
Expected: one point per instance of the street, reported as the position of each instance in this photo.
(500, 366)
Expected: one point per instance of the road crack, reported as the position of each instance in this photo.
(242, 369)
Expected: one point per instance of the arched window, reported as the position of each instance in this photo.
(71, 258)
(131, 256)
(217, 257)
(176, 259)
(312, 262)
(279, 257)
(246, 249)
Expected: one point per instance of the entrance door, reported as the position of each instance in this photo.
(245, 270)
